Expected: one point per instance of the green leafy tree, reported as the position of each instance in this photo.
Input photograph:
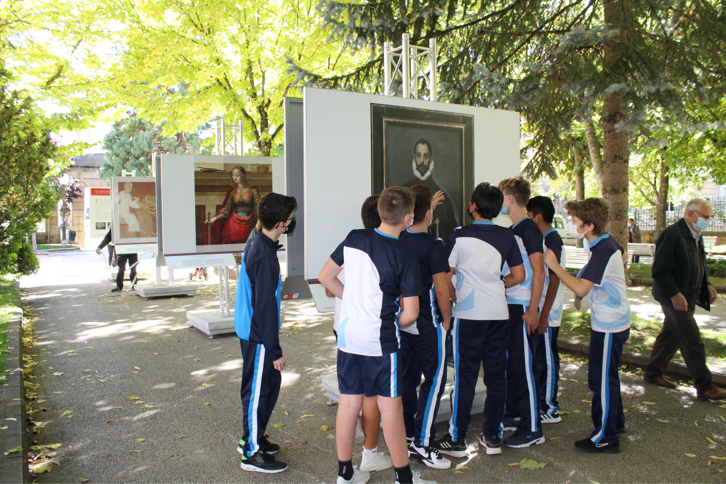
(26, 161)
(132, 142)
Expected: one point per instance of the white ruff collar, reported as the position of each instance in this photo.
(419, 175)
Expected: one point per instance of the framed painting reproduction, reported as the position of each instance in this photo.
(133, 207)
(412, 146)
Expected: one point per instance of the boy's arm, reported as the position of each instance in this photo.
(516, 275)
(329, 278)
(531, 316)
(442, 285)
(449, 284)
(410, 289)
(579, 286)
(267, 309)
(544, 315)
(409, 311)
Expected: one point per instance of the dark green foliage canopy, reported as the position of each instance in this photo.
(26, 160)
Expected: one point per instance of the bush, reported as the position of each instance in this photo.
(716, 267)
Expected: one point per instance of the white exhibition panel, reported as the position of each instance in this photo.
(338, 160)
(178, 198)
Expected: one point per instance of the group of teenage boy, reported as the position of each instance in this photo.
(394, 286)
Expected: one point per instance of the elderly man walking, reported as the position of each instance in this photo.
(680, 282)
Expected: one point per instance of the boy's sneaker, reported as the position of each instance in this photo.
(448, 446)
(417, 479)
(269, 447)
(547, 418)
(493, 445)
(587, 445)
(359, 477)
(520, 439)
(510, 424)
(264, 463)
(375, 461)
(428, 456)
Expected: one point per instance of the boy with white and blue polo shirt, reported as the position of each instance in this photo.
(546, 353)
(423, 344)
(382, 285)
(522, 410)
(257, 323)
(603, 279)
(477, 254)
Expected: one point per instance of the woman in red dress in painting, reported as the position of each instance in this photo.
(237, 216)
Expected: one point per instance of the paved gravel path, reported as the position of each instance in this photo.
(132, 369)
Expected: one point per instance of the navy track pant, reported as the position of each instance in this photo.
(521, 385)
(547, 369)
(259, 392)
(476, 343)
(423, 354)
(604, 382)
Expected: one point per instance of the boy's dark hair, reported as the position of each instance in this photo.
(275, 208)
(369, 213)
(591, 211)
(541, 205)
(518, 187)
(422, 204)
(488, 200)
(394, 203)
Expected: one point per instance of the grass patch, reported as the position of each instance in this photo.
(8, 301)
(576, 325)
(643, 271)
(53, 246)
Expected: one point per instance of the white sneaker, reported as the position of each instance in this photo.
(359, 477)
(375, 461)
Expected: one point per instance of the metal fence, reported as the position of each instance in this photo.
(645, 216)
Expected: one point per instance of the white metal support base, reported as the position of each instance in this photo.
(209, 322)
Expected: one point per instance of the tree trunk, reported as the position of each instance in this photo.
(579, 173)
(616, 151)
(662, 200)
(63, 225)
(593, 145)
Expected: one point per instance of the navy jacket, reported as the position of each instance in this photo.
(257, 309)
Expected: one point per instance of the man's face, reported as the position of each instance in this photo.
(423, 157)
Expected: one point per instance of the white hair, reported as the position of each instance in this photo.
(695, 204)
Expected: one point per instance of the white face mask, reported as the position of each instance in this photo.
(410, 223)
(572, 228)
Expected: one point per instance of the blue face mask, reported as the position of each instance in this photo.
(701, 224)
(503, 210)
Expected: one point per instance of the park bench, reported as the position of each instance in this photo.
(647, 250)
(709, 242)
(575, 258)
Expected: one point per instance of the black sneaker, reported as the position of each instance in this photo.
(268, 447)
(521, 439)
(448, 446)
(116, 289)
(547, 418)
(510, 424)
(264, 463)
(428, 456)
(622, 430)
(587, 445)
(493, 445)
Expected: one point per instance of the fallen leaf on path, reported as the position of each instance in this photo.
(67, 412)
(57, 373)
(649, 403)
(136, 368)
(16, 449)
(690, 455)
(140, 440)
(206, 404)
(134, 398)
(555, 438)
(86, 376)
(532, 464)
(279, 425)
(710, 440)
(663, 421)
(308, 415)
(181, 436)
(717, 457)
(325, 427)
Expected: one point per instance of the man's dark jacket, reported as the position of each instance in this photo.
(675, 267)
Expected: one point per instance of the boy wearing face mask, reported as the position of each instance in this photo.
(257, 323)
(603, 279)
(546, 354)
(478, 254)
(522, 410)
(423, 344)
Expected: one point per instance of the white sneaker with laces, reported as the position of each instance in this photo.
(375, 461)
(428, 456)
(359, 477)
(417, 479)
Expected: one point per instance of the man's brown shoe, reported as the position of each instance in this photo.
(712, 393)
(661, 381)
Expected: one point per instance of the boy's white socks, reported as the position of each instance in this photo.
(370, 451)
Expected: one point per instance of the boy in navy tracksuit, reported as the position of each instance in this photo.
(477, 254)
(423, 344)
(603, 279)
(546, 354)
(522, 409)
(382, 285)
(257, 323)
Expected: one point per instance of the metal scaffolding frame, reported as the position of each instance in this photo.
(410, 63)
(228, 138)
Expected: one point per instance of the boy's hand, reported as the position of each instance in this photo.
(437, 199)
(544, 324)
(446, 324)
(279, 365)
(531, 317)
(551, 259)
(577, 303)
